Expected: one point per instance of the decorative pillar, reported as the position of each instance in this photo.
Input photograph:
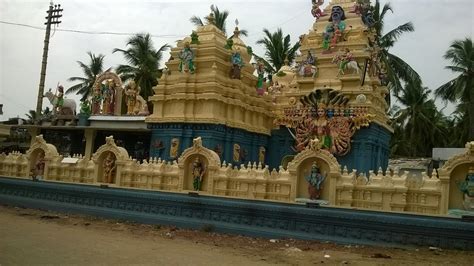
(89, 134)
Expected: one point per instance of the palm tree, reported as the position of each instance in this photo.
(90, 71)
(144, 63)
(396, 68)
(277, 50)
(461, 54)
(219, 19)
(419, 125)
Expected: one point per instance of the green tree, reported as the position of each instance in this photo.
(278, 48)
(461, 54)
(143, 63)
(419, 125)
(219, 19)
(397, 69)
(90, 71)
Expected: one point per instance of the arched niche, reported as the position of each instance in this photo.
(301, 166)
(40, 150)
(209, 159)
(109, 151)
(117, 91)
(453, 172)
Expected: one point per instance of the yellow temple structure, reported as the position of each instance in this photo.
(318, 130)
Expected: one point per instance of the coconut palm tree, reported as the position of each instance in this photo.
(396, 68)
(461, 54)
(90, 71)
(278, 48)
(420, 125)
(144, 63)
(219, 19)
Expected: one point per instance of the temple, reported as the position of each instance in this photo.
(317, 130)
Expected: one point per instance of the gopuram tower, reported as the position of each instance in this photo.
(336, 91)
(209, 91)
(333, 95)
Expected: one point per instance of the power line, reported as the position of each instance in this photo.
(93, 32)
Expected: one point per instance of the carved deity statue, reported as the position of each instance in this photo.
(236, 153)
(334, 31)
(260, 77)
(59, 99)
(187, 59)
(174, 148)
(315, 179)
(237, 64)
(467, 188)
(108, 93)
(96, 101)
(131, 91)
(39, 166)
(261, 155)
(108, 167)
(198, 173)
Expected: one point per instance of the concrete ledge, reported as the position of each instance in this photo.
(255, 218)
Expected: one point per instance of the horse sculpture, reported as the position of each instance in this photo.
(68, 108)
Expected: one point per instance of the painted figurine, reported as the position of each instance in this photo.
(334, 31)
(107, 97)
(198, 174)
(187, 59)
(467, 188)
(237, 64)
(131, 92)
(260, 78)
(315, 180)
(96, 101)
(59, 99)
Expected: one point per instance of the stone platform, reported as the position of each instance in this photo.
(254, 218)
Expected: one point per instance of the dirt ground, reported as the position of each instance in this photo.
(32, 237)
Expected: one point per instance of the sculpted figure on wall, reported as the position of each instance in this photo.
(324, 115)
(236, 153)
(39, 166)
(108, 167)
(199, 171)
(261, 155)
(315, 180)
(174, 148)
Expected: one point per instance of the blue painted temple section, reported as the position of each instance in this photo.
(370, 149)
(370, 146)
(219, 138)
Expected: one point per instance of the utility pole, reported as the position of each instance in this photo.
(52, 18)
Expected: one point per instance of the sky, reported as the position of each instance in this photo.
(437, 23)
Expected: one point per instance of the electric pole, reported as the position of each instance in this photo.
(52, 18)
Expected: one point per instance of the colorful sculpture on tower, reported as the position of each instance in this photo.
(324, 114)
(334, 31)
(187, 59)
